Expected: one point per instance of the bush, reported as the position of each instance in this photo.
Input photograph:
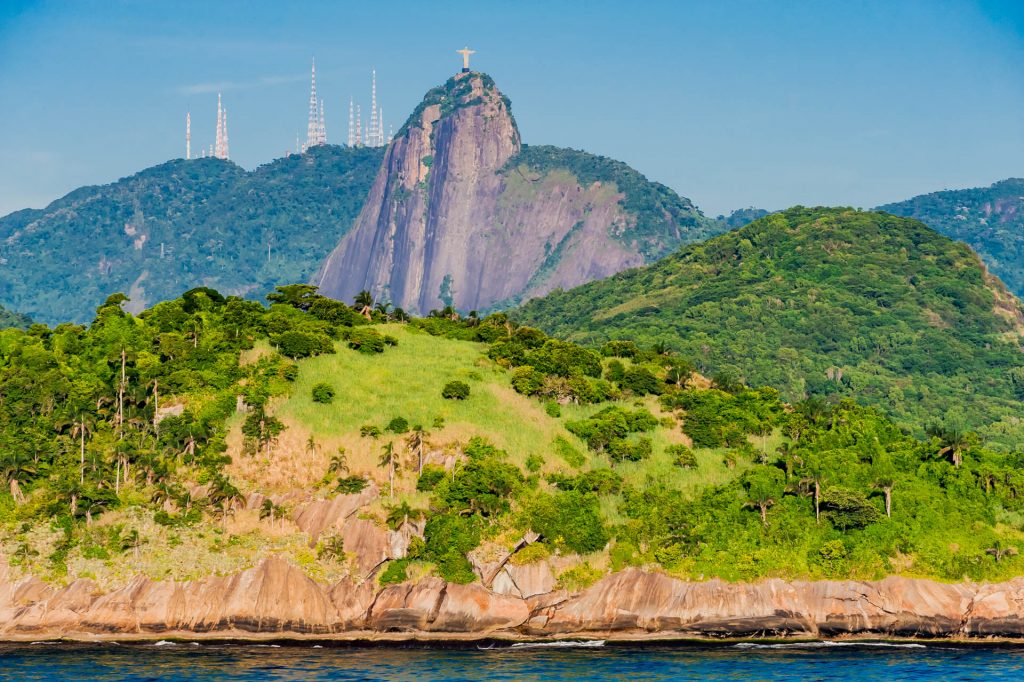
(394, 573)
(397, 425)
(527, 380)
(568, 518)
(620, 349)
(448, 538)
(682, 456)
(455, 390)
(615, 372)
(365, 340)
(351, 485)
(621, 449)
(369, 431)
(848, 508)
(430, 477)
(294, 344)
(323, 393)
(553, 409)
(534, 463)
(640, 381)
(579, 577)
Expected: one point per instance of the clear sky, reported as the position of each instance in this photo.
(730, 103)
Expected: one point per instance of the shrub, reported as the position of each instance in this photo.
(295, 344)
(455, 390)
(564, 359)
(530, 554)
(620, 349)
(430, 477)
(330, 547)
(448, 538)
(599, 481)
(390, 340)
(615, 372)
(848, 508)
(351, 485)
(397, 425)
(394, 573)
(568, 518)
(621, 449)
(365, 340)
(323, 393)
(640, 381)
(369, 431)
(682, 456)
(289, 371)
(534, 463)
(579, 577)
(553, 409)
(527, 380)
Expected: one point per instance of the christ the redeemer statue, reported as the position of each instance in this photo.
(465, 52)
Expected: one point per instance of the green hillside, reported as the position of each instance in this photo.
(182, 442)
(824, 302)
(182, 224)
(9, 318)
(989, 219)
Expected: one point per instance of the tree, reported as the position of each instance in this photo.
(339, 463)
(813, 478)
(883, 479)
(953, 441)
(764, 486)
(82, 426)
(455, 390)
(223, 495)
(387, 459)
(364, 304)
(998, 552)
(416, 440)
(311, 446)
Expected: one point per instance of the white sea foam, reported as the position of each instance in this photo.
(164, 642)
(578, 644)
(826, 644)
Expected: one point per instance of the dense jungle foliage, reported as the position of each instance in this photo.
(116, 446)
(182, 223)
(989, 219)
(831, 303)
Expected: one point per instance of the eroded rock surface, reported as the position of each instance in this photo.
(278, 598)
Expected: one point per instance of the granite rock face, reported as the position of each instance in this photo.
(277, 598)
(449, 220)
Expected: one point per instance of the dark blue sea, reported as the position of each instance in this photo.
(799, 662)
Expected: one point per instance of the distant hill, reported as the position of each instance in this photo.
(990, 219)
(463, 214)
(829, 302)
(9, 318)
(179, 225)
(741, 217)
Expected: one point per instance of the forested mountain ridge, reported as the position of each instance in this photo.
(827, 302)
(989, 219)
(9, 318)
(179, 225)
(462, 213)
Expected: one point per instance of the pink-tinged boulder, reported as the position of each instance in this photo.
(474, 608)
(370, 543)
(996, 610)
(321, 515)
(403, 608)
(531, 579)
(351, 602)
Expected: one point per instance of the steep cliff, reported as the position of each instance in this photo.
(461, 213)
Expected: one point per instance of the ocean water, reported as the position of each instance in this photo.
(789, 661)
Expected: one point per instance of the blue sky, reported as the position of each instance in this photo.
(730, 103)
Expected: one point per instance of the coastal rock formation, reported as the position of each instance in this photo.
(277, 598)
(457, 216)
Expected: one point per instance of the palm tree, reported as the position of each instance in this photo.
(223, 494)
(311, 447)
(384, 309)
(884, 480)
(416, 440)
(998, 552)
(952, 442)
(82, 426)
(813, 479)
(678, 376)
(387, 458)
(364, 304)
(269, 510)
(761, 501)
(339, 463)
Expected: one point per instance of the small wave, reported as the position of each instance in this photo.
(43, 643)
(561, 644)
(164, 642)
(828, 643)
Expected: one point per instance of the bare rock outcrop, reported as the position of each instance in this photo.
(450, 208)
(279, 599)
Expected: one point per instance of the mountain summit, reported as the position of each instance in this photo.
(462, 213)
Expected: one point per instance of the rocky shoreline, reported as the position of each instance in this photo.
(276, 600)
